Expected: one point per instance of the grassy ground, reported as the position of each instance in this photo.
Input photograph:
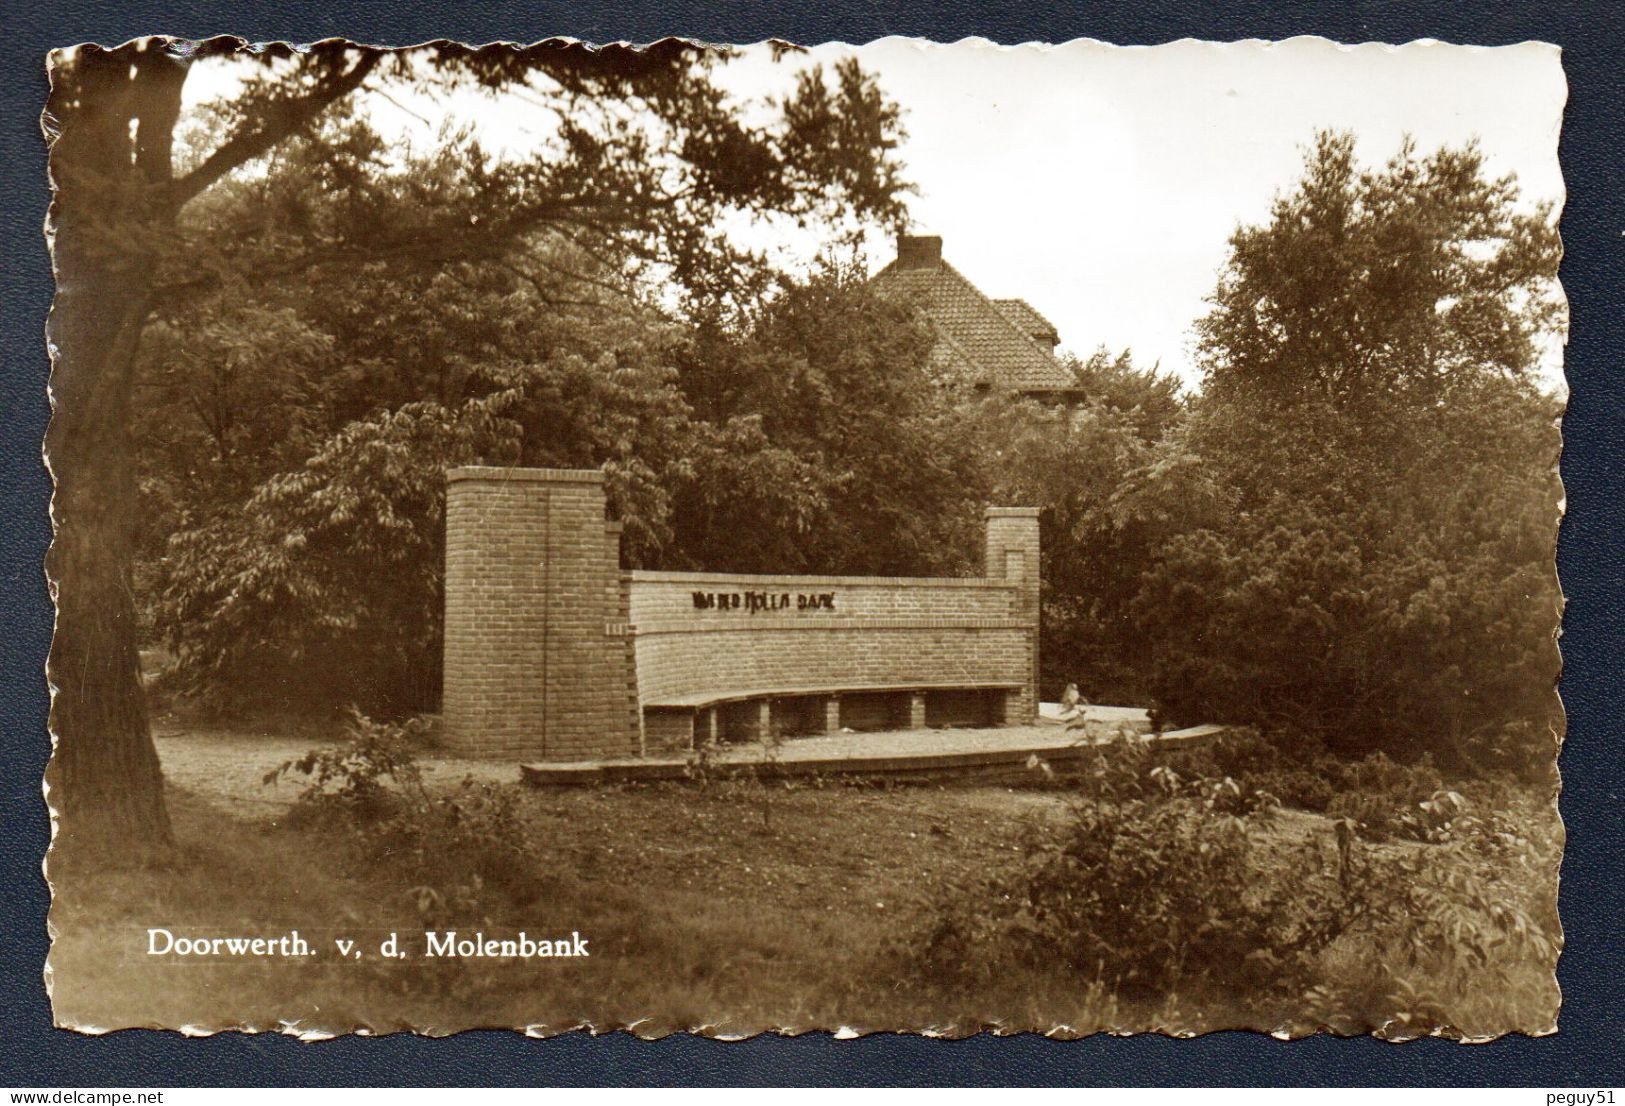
(732, 909)
(737, 910)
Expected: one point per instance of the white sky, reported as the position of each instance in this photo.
(1101, 183)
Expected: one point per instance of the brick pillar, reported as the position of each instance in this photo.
(832, 714)
(916, 710)
(1012, 555)
(535, 653)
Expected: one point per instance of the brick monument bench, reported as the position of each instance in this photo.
(755, 713)
(556, 653)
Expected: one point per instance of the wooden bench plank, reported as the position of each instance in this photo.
(1019, 761)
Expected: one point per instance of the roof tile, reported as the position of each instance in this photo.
(1029, 321)
(992, 336)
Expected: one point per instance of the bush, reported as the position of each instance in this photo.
(1302, 788)
(1246, 751)
(1382, 797)
(1148, 898)
(1300, 772)
(1129, 767)
(1146, 895)
(1525, 751)
(1188, 888)
(365, 777)
(458, 843)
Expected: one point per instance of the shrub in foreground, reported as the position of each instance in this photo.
(457, 842)
(1192, 892)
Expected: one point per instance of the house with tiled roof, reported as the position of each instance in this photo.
(1001, 345)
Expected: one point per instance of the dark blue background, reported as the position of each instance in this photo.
(1587, 1050)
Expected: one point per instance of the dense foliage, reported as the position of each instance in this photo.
(836, 454)
(354, 317)
(1348, 533)
(1370, 597)
(1074, 462)
(325, 586)
(1375, 564)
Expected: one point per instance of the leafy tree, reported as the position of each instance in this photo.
(1074, 463)
(1366, 286)
(1378, 566)
(271, 375)
(658, 191)
(326, 585)
(824, 439)
(1150, 399)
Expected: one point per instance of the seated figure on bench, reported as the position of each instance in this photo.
(1072, 702)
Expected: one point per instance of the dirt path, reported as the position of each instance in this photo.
(228, 767)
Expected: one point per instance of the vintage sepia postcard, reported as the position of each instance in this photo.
(906, 537)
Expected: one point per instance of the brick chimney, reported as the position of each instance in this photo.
(919, 251)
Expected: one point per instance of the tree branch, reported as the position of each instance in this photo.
(277, 121)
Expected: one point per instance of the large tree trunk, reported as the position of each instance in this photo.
(111, 116)
(104, 777)
(110, 164)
